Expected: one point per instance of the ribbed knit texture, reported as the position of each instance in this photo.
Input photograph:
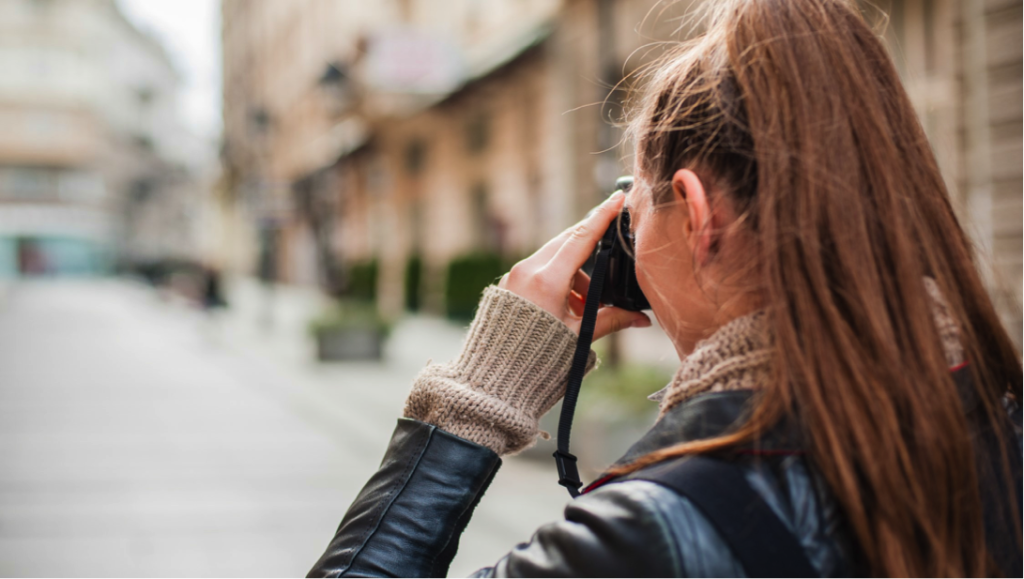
(515, 364)
(738, 355)
(513, 368)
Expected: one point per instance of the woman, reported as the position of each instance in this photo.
(797, 244)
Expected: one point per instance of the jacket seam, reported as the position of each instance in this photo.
(383, 507)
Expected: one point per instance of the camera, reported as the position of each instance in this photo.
(621, 288)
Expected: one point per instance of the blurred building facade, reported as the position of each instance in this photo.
(400, 130)
(95, 163)
(961, 64)
(403, 131)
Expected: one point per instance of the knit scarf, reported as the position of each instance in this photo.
(738, 355)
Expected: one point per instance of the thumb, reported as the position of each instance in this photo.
(611, 320)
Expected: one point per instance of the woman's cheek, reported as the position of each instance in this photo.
(641, 278)
(646, 271)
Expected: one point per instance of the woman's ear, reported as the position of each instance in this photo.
(689, 190)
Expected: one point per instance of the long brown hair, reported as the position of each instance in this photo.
(793, 111)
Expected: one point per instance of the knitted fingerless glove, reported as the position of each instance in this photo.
(513, 368)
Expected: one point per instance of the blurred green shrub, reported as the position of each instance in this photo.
(624, 388)
(348, 314)
(362, 281)
(466, 279)
(413, 283)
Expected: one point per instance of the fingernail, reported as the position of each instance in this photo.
(643, 322)
(615, 196)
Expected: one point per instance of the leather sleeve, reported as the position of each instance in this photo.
(616, 531)
(407, 520)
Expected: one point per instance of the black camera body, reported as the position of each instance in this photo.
(621, 288)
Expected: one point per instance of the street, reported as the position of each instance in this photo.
(139, 438)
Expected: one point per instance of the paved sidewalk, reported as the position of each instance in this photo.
(138, 437)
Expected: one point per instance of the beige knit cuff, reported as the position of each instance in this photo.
(513, 368)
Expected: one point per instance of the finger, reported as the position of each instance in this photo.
(577, 304)
(545, 253)
(581, 283)
(542, 256)
(581, 241)
(611, 320)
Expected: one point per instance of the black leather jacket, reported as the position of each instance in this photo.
(407, 520)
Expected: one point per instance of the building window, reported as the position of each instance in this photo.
(478, 197)
(378, 181)
(259, 121)
(405, 10)
(35, 183)
(145, 96)
(417, 227)
(478, 133)
(415, 156)
(931, 40)
(143, 142)
(490, 229)
(40, 6)
(475, 18)
(142, 190)
(80, 185)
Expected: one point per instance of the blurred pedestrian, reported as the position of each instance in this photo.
(213, 293)
(843, 370)
(267, 271)
(212, 301)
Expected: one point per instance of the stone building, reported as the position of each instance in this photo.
(507, 160)
(508, 142)
(95, 164)
(306, 82)
(463, 145)
(961, 63)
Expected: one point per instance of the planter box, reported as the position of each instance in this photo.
(349, 344)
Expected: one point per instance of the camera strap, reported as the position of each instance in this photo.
(568, 473)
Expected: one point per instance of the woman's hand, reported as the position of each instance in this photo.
(551, 278)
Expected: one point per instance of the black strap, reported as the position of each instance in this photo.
(755, 535)
(568, 473)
